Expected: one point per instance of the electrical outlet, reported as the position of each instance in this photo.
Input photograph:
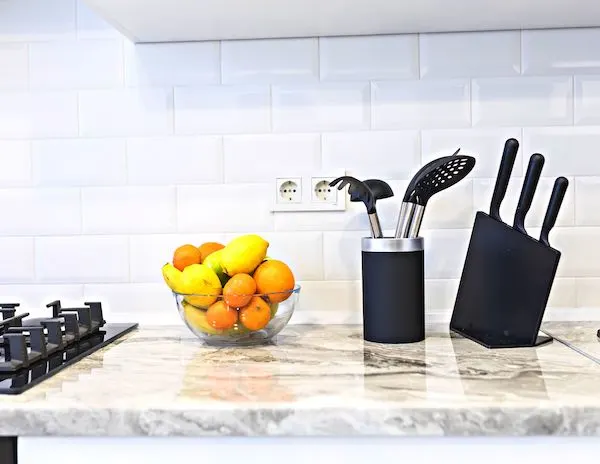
(308, 193)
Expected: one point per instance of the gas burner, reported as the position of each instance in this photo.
(33, 349)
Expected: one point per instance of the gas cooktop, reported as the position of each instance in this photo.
(34, 349)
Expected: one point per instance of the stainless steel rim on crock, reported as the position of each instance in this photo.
(391, 245)
(364, 193)
(438, 175)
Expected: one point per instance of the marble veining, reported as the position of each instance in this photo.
(317, 380)
(581, 336)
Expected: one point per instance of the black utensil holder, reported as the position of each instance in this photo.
(393, 289)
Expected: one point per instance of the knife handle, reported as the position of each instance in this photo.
(511, 147)
(532, 176)
(556, 199)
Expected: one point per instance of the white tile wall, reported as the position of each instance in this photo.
(112, 154)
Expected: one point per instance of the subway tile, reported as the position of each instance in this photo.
(50, 211)
(382, 154)
(82, 259)
(243, 208)
(222, 109)
(563, 293)
(35, 297)
(369, 57)
(451, 208)
(37, 20)
(90, 25)
(83, 64)
(145, 303)
(329, 302)
(445, 252)
(561, 51)
(15, 163)
(78, 162)
(262, 158)
(301, 251)
(128, 210)
(587, 100)
(482, 194)
(470, 54)
(486, 145)
(148, 253)
(16, 265)
(14, 64)
(569, 151)
(270, 61)
(420, 104)
(580, 251)
(170, 64)
(174, 160)
(588, 292)
(125, 112)
(522, 101)
(587, 200)
(342, 255)
(38, 114)
(440, 293)
(322, 107)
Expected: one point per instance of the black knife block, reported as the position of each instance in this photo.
(504, 288)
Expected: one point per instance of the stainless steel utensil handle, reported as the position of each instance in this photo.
(376, 231)
(409, 220)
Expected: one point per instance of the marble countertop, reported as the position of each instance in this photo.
(317, 380)
(580, 336)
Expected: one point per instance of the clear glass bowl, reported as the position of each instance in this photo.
(193, 310)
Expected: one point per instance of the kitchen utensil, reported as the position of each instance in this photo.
(380, 189)
(437, 176)
(364, 194)
(556, 199)
(507, 275)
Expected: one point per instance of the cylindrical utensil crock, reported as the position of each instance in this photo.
(393, 291)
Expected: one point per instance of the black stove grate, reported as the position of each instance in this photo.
(33, 349)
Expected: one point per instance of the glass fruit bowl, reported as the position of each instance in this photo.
(250, 320)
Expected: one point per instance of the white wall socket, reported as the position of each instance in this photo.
(308, 193)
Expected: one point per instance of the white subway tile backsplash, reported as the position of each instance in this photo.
(82, 259)
(561, 51)
(450, 209)
(78, 162)
(563, 293)
(83, 64)
(486, 145)
(321, 302)
(383, 154)
(91, 26)
(38, 114)
(587, 199)
(37, 20)
(354, 218)
(115, 210)
(482, 194)
(15, 163)
(342, 255)
(580, 251)
(431, 104)
(225, 208)
(174, 160)
(148, 253)
(35, 297)
(369, 57)
(222, 109)
(587, 100)
(270, 61)
(321, 107)
(16, 265)
(440, 294)
(470, 54)
(125, 112)
(14, 64)
(277, 155)
(445, 252)
(588, 292)
(171, 64)
(522, 101)
(569, 151)
(49, 211)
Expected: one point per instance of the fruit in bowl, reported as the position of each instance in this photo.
(232, 294)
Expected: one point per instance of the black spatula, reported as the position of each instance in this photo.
(507, 275)
(364, 194)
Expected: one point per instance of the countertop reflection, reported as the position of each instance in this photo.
(316, 380)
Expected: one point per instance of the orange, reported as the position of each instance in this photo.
(276, 278)
(220, 316)
(256, 314)
(238, 290)
(186, 255)
(208, 248)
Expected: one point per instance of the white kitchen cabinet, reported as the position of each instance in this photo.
(196, 20)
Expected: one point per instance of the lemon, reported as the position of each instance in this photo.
(172, 277)
(243, 254)
(200, 284)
